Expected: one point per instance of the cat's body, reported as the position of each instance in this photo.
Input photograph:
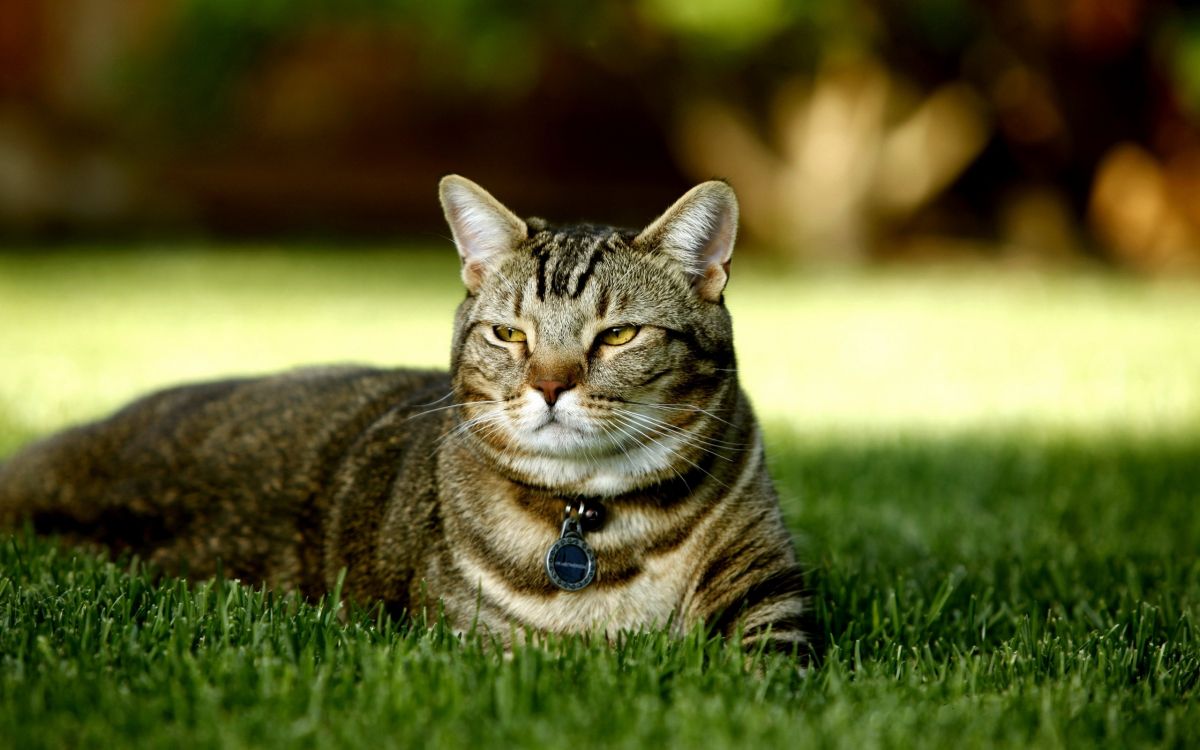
(588, 365)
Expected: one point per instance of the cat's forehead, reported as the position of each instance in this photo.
(565, 262)
(570, 241)
(567, 275)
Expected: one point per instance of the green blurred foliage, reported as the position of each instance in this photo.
(729, 24)
(471, 48)
(1180, 42)
(500, 48)
(1054, 122)
(476, 45)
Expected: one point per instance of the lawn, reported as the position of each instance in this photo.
(992, 473)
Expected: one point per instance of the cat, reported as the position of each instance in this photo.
(589, 463)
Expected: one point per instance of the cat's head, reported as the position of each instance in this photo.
(589, 359)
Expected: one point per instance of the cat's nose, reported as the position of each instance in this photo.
(551, 388)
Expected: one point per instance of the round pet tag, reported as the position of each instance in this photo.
(570, 563)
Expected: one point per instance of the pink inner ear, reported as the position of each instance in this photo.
(483, 228)
(715, 252)
(479, 232)
(472, 274)
(712, 282)
(719, 248)
(699, 230)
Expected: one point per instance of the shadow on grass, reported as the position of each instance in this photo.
(963, 542)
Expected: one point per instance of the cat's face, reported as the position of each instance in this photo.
(589, 359)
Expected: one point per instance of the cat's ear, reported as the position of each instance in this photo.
(699, 230)
(484, 230)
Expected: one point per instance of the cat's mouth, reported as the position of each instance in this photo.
(555, 423)
(562, 431)
(574, 445)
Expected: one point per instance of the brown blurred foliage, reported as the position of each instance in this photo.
(853, 131)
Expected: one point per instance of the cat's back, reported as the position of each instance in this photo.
(230, 459)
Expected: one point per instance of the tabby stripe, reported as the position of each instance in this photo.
(662, 496)
(519, 302)
(659, 526)
(792, 627)
(562, 274)
(602, 303)
(653, 378)
(671, 514)
(525, 577)
(677, 531)
(642, 603)
(470, 396)
(720, 358)
(775, 615)
(586, 274)
(724, 561)
(542, 256)
(786, 582)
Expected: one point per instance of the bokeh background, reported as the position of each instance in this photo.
(856, 131)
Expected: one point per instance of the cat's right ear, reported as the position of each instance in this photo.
(484, 230)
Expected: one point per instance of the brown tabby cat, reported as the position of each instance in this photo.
(588, 464)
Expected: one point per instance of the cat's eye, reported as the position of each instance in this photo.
(618, 335)
(509, 334)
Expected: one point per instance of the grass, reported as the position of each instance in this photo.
(994, 477)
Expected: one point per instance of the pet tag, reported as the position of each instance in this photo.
(570, 562)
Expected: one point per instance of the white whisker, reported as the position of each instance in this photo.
(677, 454)
(689, 436)
(683, 407)
(450, 406)
(439, 400)
(627, 433)
(464, 426)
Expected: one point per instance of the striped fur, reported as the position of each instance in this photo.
(445, 490)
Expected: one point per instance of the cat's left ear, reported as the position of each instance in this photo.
(484, 230)
(699, 231)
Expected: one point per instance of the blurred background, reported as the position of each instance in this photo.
(956, 215)
(855, 131)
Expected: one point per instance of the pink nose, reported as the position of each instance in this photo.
(551, 388)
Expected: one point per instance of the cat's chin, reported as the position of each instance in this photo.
(572, 474)
(569, 449)
(596, 474)
(564, 432)
(583, 459)
(557, 439)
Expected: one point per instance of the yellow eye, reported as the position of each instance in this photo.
(619, 335)
(508, 333)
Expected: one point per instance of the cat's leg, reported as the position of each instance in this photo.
(773, 612)
(759, 595)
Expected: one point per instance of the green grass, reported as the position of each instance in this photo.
(994, 476)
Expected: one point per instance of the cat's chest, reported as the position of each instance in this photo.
(652, 595)
(634, 587)
(648, 554)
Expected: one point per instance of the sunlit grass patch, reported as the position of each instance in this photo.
(977, 350)
(87, 330)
